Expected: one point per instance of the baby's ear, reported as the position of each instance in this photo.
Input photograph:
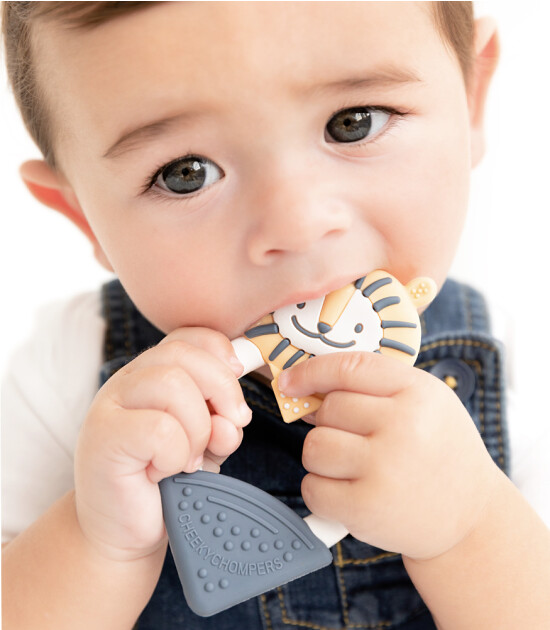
(421, 291)
(486, 55)
(52, 190)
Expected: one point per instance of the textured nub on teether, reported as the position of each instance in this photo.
(295, 408)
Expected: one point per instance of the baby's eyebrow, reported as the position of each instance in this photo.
(387, 77)
(134, 138)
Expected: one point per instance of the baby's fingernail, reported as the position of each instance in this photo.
(245, 413)
(283, 381)
(197, 464)
(236, 365)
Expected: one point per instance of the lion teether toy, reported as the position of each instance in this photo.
(376, 313)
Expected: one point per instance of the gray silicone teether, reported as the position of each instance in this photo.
(232, 541)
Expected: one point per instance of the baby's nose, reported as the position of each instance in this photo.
(323, 328)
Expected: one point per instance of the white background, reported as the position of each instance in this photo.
(505, 247)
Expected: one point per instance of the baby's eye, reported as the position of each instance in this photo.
(188, 175)
(356, 123)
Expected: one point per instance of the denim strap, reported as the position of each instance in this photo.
(127, 333)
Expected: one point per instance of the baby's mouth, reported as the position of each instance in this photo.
(321, 336)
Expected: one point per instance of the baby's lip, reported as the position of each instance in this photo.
(298, 297)
(307, 295)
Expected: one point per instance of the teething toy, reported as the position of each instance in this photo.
(376, 313)
(232, 541)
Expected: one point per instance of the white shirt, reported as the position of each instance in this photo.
(50, 384)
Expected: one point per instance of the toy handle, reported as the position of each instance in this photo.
(330, 532)
(248, 354)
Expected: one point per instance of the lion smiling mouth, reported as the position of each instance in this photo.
(319, 335)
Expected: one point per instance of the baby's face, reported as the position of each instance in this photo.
(233, 158)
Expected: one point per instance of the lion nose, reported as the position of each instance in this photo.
(323, 328)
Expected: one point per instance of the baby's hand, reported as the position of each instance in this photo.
(394, 455)
(154, 418)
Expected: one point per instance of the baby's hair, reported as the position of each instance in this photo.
(454, 22)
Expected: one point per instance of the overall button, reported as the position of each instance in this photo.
(457, 375)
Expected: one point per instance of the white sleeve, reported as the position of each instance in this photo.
(529, 446)
(47, 389)
(527, 417)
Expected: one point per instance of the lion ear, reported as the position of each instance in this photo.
(421, 291)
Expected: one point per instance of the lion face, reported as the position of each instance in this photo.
(357, 327)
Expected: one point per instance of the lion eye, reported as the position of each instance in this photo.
(359, 328)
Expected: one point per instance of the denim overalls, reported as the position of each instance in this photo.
(365, 587)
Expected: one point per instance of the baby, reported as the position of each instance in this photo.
(225, 160)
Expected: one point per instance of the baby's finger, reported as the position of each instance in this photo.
(329, 498)
(215, 380)
(355, 413)
(361, 372)
(169, 389)
(214, 342)
(225, 437)
(143, 439)
(212, 462)
(333, 453)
